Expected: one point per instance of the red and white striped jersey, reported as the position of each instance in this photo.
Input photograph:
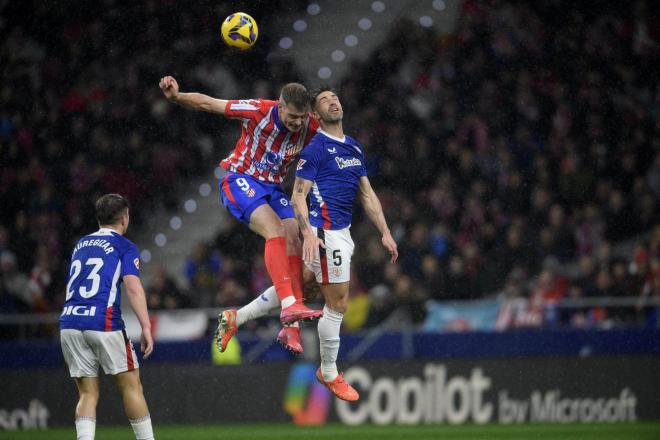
(266, 147)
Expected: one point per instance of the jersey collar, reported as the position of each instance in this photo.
(276, 118)
(104, 231)
(334, 138)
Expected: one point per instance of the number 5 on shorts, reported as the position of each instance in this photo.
(336, 257)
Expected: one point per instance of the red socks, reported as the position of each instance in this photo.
(296, 270)
(277, 265)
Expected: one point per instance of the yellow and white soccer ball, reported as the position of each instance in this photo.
(239, 30)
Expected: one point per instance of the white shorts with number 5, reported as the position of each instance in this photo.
(333, 265)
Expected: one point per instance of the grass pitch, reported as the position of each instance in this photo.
(637, 431)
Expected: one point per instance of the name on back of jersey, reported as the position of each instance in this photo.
(104, 244)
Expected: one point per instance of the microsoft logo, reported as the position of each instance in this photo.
(306, 400)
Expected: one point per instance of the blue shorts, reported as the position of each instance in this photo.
(242, 194)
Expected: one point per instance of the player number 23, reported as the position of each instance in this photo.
(76, 268)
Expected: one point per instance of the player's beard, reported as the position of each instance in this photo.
(333, 118)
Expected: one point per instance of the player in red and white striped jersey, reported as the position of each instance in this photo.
(273, 133)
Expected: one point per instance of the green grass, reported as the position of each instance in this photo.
(637, 431)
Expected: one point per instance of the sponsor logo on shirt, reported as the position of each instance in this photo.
(137, 263)
(79, 311)
(332, 150)
(345, 163)
(301, 163)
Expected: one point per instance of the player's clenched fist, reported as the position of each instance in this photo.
(170, 87)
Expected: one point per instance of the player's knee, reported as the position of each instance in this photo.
(293, 243)
(89, 395)
(274, 231)
(340, 305)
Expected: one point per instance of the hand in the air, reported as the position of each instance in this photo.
(169, 87)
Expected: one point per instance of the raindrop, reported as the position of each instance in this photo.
(204, 189)
(300, 25)
(190, 206)
(425, 21)
(313, 9)
(219, 172)
(286, 43)
(145, 255)
(364, 24)
(378, 7)
(175, 223)
(160, 240)
(439, 5)
(338, 56)
(325, 72)
(351, 40)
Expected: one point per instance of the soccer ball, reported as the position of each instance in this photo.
(239, 30)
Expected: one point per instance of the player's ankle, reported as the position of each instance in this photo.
(288, 301)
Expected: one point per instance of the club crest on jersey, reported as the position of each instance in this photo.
(301, 163)
(332, 150)
(345, 163)
(271, 161)
(273, 158)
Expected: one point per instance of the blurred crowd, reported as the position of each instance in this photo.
(512, 157)
(81, 115)
(525, 142)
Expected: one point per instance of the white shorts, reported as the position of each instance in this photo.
(334, 262)
(85, 350)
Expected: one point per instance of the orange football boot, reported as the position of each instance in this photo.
(339, 387)
(226, 329)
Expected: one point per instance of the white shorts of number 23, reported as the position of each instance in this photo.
(333, 264)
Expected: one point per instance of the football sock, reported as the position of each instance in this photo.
(142, 428)
(262, 305)
(296, 270)
(277, 265)
(328, 328)
(85, 427)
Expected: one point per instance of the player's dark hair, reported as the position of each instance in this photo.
(110, 208)
(296, 95)
(317, 91)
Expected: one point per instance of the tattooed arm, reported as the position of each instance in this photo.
(311, 242)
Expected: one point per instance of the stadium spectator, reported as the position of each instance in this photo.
(164, 292)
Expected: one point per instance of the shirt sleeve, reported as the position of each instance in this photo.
(130, 261)
(244, 108)
(310, 160)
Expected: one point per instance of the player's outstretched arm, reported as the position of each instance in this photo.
(374, 211)
(138, 301)
(193, 101)
(311, 242)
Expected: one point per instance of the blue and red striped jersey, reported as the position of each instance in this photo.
(265, 148)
